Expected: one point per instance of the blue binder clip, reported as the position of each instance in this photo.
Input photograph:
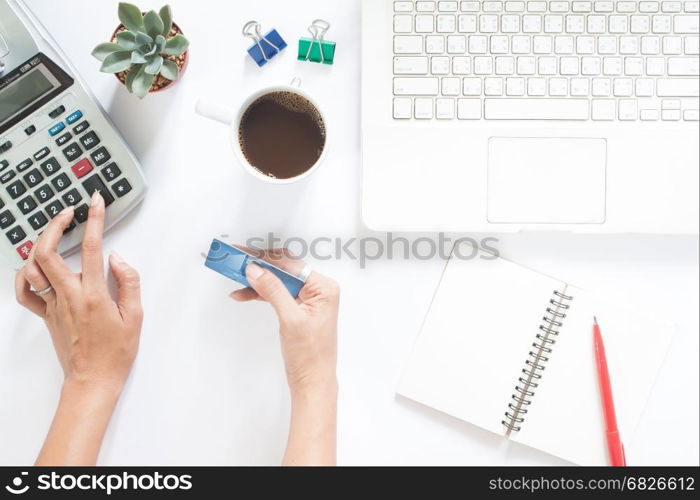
(265, 47)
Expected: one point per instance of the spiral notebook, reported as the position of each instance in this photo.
(511, 350)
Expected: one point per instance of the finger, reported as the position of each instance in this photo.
(92, 257)
(46, 249)
(270, 288)
(38, 281)
(129, 283)
(245, 295)
(278, 257)
(26, 298)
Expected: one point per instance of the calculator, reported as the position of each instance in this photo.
(57, 145)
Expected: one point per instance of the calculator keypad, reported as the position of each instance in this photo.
(43, 189)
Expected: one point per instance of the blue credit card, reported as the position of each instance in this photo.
(232, 263)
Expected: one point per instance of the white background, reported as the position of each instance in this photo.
(208, 386)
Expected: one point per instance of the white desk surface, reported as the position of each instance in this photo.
(208, 386)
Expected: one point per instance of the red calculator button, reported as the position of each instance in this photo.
(24, 250)
(82, 168)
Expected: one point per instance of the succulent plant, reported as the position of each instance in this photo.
(142, 48)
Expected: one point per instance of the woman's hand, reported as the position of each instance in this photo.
(95, 338)
(308, 332)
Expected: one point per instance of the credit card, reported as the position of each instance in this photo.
(232, 262)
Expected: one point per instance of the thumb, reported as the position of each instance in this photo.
(129, 287)
(270, 288)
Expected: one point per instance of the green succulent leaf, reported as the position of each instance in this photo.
(169, 70)
(137, 57)
(116, 62)
(143, 41)
(130, 79)
(166, 15)
(142, 82)
(105, 49)
(154, 65)
(130, 16)
(176, 46)
(160, 43)
(153, 23)
(127, 39)
(151, 51)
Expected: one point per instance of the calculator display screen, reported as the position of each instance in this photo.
(23, 92)
(28, 87)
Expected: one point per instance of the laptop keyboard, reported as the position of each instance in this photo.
(546, 60)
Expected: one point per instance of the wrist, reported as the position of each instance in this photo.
(324, 390)
(95, 391)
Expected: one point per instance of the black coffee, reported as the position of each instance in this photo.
(282, 134)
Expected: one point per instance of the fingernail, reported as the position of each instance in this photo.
(254, 271)
(117, 258)
(68, 210)
(96, 197)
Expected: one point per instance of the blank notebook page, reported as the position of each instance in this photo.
(566, 415)
(475, 341)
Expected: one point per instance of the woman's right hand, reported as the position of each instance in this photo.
(308, 333)
(308, 325)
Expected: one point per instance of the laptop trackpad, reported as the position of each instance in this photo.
(546, 180)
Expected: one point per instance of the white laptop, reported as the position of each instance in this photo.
(487, 116)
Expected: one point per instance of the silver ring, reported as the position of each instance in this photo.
(45, 291)
(304, 275)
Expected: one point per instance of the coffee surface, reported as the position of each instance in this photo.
(282, 134)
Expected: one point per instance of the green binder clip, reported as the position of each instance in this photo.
(316, 49)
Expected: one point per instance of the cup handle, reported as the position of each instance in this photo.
(214, 111)
(296, 82)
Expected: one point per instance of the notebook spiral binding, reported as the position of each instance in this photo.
(552, 322)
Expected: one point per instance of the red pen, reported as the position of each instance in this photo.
(616, 450)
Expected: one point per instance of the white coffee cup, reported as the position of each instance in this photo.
(215, 111)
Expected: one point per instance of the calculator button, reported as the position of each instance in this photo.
(27, 205)
(38, 220)
(54, 208)
(33, 178)
(5, 146)
(61, 182)
(121, 188)
(90, 140)
(6, 219)
(57, 112)
(16, 235)
(30, 130)
(81, 213)
(100, 156)
(16, 189)
(2, 203)
(81, 127)
(74, 117)
(50, 167)
(44, 193)
(111, 172)
(4, 164)
(95, 184)
(72, 197)
(64, 139)
(7, 176)
(56, 129)
(72, 152)
(24, 165)
(82, 168)
(25, 249)
(41, 154)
